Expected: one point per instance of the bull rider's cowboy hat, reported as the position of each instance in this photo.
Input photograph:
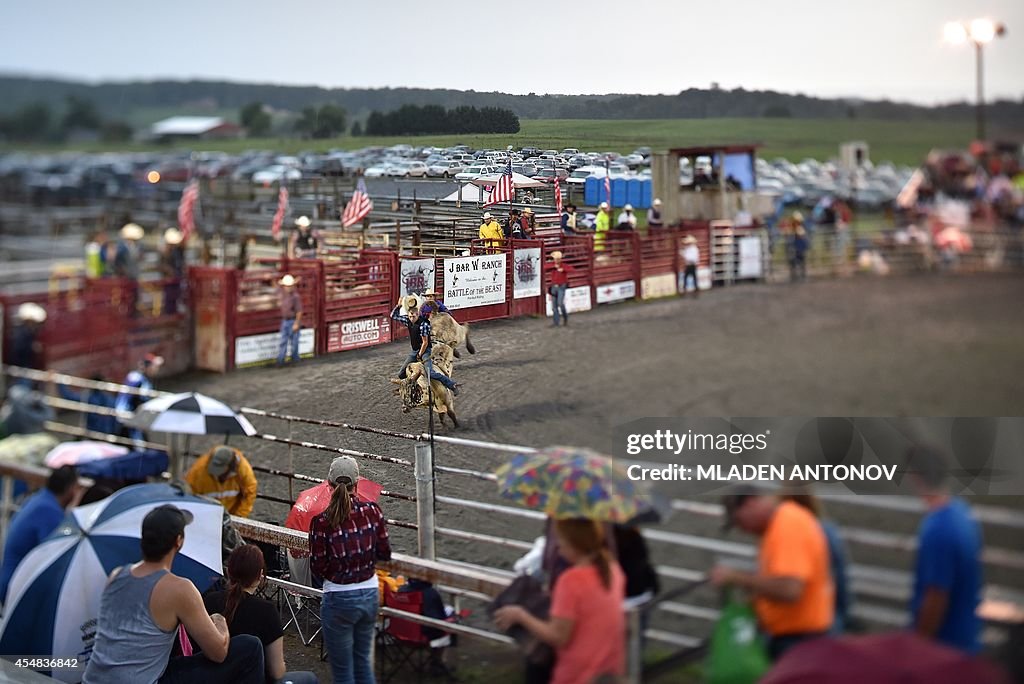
(411, 302)
(173, 236)
(288, 280)
(132, 231)
(31, 312)
(303, 222)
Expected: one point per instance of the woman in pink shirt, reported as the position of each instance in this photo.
(587, 627)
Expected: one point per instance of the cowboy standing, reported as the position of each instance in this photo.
(303, 242)
(602, 225)
(558, 277)
(490, 230)
(291, 319)
(691, 258)
(654, 219)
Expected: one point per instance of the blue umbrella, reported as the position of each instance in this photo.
(54, 597)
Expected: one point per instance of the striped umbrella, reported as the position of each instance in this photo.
(190, 414)
(565, 482)
(54, 597)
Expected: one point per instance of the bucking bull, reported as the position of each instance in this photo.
(448, 337)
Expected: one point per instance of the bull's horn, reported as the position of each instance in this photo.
(396, 381)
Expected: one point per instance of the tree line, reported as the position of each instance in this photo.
(38, 122)
(430, 119)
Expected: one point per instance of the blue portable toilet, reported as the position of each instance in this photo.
(593, 191)
(633, 193)
(619, 192)
(646, 190)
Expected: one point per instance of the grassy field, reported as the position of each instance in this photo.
(794, 139)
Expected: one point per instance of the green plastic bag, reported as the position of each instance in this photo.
(737, 654)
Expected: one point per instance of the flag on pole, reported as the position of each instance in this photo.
(558, 197)
(282, 209)
(187, 210)
(607, 182)
(358, 208)
(504, 191)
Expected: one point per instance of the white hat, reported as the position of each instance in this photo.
(288, 280)
(657, 202)
(527, 210)
(430, 291)
(173, 236)
(132, 231)
(303, 222)
(30, 311)
(487, 216)
(689, 239)
(628, 207)
(557, 254)
(603, 205)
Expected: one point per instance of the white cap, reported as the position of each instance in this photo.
(604, 205)
(628, 207)
(288, 280)
(30, 311)
(173, 236)
(657, 202)
(487, 216)
(303, 222)
(132, 231)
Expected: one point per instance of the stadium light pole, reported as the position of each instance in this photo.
(980, 32)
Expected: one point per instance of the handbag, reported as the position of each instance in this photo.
(527, 592)
(737, 654)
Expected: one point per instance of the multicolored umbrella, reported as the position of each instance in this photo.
(566, 482)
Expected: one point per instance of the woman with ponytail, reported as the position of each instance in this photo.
(246, 613)
(345, 543)
(587, 627)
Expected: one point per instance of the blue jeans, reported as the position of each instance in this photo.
(690, 276)
(558, 306)
(433, 374)
(410, 359)
(288, 336)
(349, 620)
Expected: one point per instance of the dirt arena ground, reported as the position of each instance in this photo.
(900, 346)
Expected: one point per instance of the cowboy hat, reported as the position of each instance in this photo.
(411, 302)
(29, 311)
(132, 231)
(527, 210)
(430, 291)
(798, 216)
(487, 216)
(288, 280)
(657, 202)
(690, 240)
(556, 254)
(303, 222)
(173, 236)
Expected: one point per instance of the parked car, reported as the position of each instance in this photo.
(529, 152)
(580, 175)
(547, 172)
(475, 171)
(570, 151)
(378, 170)
(409, 169)
(445, 169)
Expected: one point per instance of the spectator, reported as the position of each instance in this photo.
(291, 319)
(298, 560)
(26, 348)
(140, 611)
(691, 259)
(587, 627)
(96, 255)
(792, 589)
(568, 220)
(515, 228)
(654, 220)
(129, 253)
(245, 254)
(172, 268)
(246, 613)
(948, 572)
(798, 249)
(490, 231)
(142, 380)
(94, 422)
(303, 243)
(224, 474)
(838, 559)
(558, 278)
(430, 297)
(24, 412)
(627, 219)
(345, 542)
(529, 222)
(602, 225)
(40, 515)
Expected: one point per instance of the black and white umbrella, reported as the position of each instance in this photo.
(190, 414)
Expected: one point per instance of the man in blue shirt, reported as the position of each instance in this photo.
(141, 379)
(948, 573)
(94, 422)
(41, 515)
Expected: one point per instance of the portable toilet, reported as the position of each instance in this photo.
(619, 186)
(593, 191)
(646, 192)
(633, 195)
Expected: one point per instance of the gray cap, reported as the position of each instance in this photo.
(221, 461)
(343, 467)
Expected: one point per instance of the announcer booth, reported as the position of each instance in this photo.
(237, 313)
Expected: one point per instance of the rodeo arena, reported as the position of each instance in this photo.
(452, 365)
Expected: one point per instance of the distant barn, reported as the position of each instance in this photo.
(194, 128)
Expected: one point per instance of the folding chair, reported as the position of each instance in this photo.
(404, 645)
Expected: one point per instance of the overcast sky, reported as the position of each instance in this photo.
(867, 48)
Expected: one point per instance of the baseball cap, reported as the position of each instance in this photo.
(221, 461)
(734, 500)
(163, 524)
(343, 467)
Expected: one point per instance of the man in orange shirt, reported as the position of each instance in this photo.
(792, 587)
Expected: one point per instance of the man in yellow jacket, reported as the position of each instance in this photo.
(602, 225)
(490, 230)
(224, 474)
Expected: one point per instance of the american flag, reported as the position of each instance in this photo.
(282, 209)
(504, 191)
(558, 196)
(607, 182)
(187, 210)
(358, 208)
